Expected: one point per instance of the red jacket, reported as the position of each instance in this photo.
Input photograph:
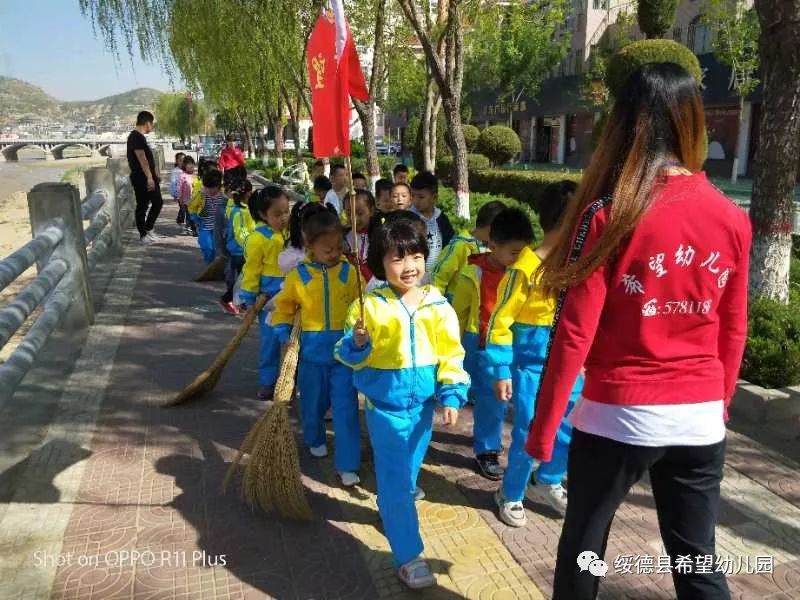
(230, 158)
(664, 321)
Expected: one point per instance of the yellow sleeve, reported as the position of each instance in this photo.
(452, 379)
(243, 226)
(511, 297)
(253, 265)
(462, 300)
(287, 301)
(345, 350)
(449, 263)
(195, 207)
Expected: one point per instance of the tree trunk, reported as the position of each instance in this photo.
(248, 140)
(776, 167)
(429, 115)
(277, 125)
(735, 167)
(366, 113)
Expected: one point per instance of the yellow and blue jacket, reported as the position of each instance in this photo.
(195, 206)
(261, 273)
(243, 225)
(519, 328)
(411, 356)
(238, 225)
(452, 259)
(323, 295)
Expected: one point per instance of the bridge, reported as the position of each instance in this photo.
(55, 148)
(105, 494)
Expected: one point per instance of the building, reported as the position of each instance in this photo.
(556, 126)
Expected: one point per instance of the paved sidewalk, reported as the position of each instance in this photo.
(122, 499)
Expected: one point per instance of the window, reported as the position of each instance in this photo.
(699, 39)
(677, 34)
(600, 4)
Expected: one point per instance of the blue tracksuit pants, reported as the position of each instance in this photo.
(488, 413)
(323, 385)
(400, 438)
(205, 239)
(525, 383)
(269, 357)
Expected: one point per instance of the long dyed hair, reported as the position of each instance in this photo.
(657, 122)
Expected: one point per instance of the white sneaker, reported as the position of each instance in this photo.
(145, 240)
(512, 513)
(419, 494)
(156, 236)
(555, 496)
(153, 239)
(349, 479)
(319, 451)
(416, 574)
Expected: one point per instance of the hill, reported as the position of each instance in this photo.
(20, 101)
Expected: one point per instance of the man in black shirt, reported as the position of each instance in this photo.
(144, 177)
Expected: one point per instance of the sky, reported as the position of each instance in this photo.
(50, 44)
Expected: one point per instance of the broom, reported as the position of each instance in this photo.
(215, 271)
(207, 380)
(271, 478)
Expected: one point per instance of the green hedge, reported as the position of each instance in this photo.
(471, 135)
(772, 355)
(656, 16)
(447, 203)
(475, 162)
(523, 186)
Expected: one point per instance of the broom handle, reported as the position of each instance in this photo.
(355, 238)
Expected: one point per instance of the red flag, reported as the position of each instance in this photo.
(334, 72)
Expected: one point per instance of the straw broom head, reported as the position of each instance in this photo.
(271, 478)
(207, 380)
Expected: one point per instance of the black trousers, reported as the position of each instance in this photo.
(146, 199)
(686, 483)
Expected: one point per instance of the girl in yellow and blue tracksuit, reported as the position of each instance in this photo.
(322, 287)
(269, 208)
(412, 357)
(236, 217)
(518, 336)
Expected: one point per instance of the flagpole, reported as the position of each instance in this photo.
(355, 237)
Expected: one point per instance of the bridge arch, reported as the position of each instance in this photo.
(58, 151)
(11, 152)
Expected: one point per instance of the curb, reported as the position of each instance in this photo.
(763, 405)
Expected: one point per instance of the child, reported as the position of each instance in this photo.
(400, 173)
(517, 340)
(235, 217)
(174, 181)
(454, 257)
(424, 191)
(322, 287)
(359, 181)
(294, 252)
(383, 195)
(401, 196)
(204, 207)
(475, 297)
(365, 209)
(185, 189)
(406, 354)
(323, 185)
(317, 170)
(269, 208)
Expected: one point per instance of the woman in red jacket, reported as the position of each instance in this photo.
(231, 163)
(653, 277)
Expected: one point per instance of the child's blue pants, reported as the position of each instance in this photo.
(270, 354)
(323, 385)
(400, 438)
(488, 413)
(525, 383)
(205, 239)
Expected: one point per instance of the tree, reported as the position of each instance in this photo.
(735, 33)
(180, 115)
(499, 143)
(515, 47)
(656, 17)
(776, 165)
(447, 71)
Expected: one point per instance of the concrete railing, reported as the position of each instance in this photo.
(65, 254)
